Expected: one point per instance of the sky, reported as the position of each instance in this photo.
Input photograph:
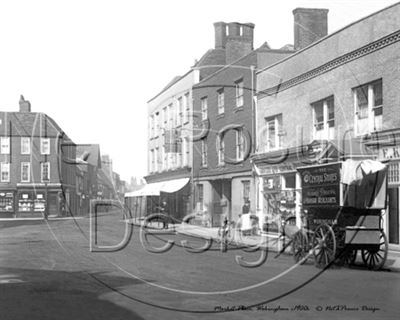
(92, 65)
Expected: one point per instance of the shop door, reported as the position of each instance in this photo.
(393, 216)
(52, 203)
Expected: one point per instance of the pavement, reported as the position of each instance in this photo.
(272, 241)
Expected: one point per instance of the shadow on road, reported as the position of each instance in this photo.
(59, 295)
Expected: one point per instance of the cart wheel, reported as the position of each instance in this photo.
(375, 257)
(300, 247)
(324, 244)
(347, 257)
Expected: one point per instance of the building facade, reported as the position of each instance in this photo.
(34, 179)
(341, 88)
(170, 143)
(223, 103)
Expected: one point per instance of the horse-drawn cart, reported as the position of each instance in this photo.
(342, 206)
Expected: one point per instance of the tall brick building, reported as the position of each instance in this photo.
(343, 87)
(223, 103)
(33, 177)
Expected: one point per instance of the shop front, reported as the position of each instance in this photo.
(391, 154)
(7, 201)
(36, 202)
(170, 197)
(278, 195)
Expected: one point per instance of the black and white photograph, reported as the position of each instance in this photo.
(199, 159)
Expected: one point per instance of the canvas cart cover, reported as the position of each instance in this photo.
(364, 184)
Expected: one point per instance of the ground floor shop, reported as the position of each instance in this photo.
(170, 197)
(278, 195)
(36, 201)
(225, 196)
(391, 154)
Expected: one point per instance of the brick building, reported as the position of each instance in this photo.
(170, 147)
(343, 87)
(223, 103)
(33, 178)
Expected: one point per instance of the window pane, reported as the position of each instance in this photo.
(319, 115)
(271, 133)
(377, 88)
(290, 181)
(331, 109)
(5, 145)
(362, 102)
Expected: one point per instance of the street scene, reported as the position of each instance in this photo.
(259, 180)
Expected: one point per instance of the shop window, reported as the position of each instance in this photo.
(6, 202)
(368, 105)
(324, 119)
(25, 145)
(5, 172)
(39, 202)
(5, 145)
(25, 202)
(45, 145)
(289, 181)
(246, 190)
(394, 172)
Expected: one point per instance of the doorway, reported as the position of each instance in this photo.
(393, 217)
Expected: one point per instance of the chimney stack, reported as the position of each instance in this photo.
(24, 105)
(309, 26)
(236, 38)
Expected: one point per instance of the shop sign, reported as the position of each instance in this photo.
(389, 153)
(272, 184)
(320, 175)
(276, 169)
(323, 196)
(321, 185)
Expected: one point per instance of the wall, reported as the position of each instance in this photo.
(294, 103)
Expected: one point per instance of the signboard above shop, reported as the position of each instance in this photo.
(389, 153)
(321, 185)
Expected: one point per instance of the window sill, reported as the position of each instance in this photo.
(221, 115)
(237, 109)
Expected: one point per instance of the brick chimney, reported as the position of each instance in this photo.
(24, 105)
(236, 38)
(309, 26)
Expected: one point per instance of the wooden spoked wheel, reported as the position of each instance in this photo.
(375, 257)
(300, 247)
(348, 257)
(324, 245)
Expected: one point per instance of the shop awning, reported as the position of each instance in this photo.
(154, 189)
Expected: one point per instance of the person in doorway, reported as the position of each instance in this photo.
(246, 206)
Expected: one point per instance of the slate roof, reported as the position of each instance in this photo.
(29, 124)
